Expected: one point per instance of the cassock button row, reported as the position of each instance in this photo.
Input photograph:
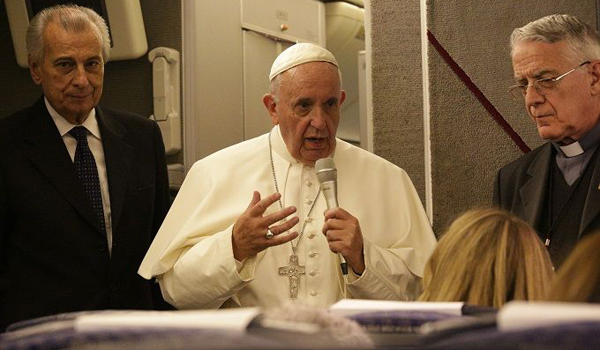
(312, 254)
(311, 235)
(313, 293)
(312, 273)
(308, 201)
(308, 183)
(309, 219)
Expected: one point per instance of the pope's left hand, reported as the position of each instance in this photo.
(344, 236)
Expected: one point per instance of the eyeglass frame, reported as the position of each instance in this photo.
(522, 89)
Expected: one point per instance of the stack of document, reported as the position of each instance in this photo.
(226, 319)
(517, 315)
(379, 316)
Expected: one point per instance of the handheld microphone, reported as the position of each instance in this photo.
(327, 175)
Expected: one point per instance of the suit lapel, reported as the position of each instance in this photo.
(118, 155)
(533, 192)
(49, 155)
(591, 208)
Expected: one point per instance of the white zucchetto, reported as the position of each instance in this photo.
(298, 54)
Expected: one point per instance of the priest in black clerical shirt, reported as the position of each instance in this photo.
(556, 187)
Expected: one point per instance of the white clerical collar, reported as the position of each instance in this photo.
(572, 150)
(63, 126)
(587, 142)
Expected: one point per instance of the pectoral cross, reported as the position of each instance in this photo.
(293, 271)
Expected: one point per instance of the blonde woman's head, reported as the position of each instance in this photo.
(578, 279)
(487, 257)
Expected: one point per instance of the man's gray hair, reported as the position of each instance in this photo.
(582, 40)
(71, 18)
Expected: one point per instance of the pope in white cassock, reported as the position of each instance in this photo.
(250, 226)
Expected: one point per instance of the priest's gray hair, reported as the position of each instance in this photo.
(71, 18)
(583, 40)
(276, 82)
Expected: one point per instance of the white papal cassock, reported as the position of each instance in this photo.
(192, 254)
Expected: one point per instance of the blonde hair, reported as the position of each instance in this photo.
(487, 257)
(578, 278)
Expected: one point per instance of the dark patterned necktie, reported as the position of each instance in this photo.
(87, 172)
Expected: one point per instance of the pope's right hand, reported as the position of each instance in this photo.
(250, 230)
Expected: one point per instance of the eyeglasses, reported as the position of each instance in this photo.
(542, 86)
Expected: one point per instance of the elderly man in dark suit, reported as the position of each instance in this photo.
(83, 189)
(556, 187)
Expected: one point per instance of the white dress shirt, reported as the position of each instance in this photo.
(95, 143)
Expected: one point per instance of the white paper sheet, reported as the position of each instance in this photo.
(346, 307)
(229, 319)
(522, 315)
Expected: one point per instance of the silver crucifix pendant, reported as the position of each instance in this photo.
(293, 271)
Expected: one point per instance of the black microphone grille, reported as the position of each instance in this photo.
(326, 170)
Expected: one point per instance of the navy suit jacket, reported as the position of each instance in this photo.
(521, 187)
(53, 255)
